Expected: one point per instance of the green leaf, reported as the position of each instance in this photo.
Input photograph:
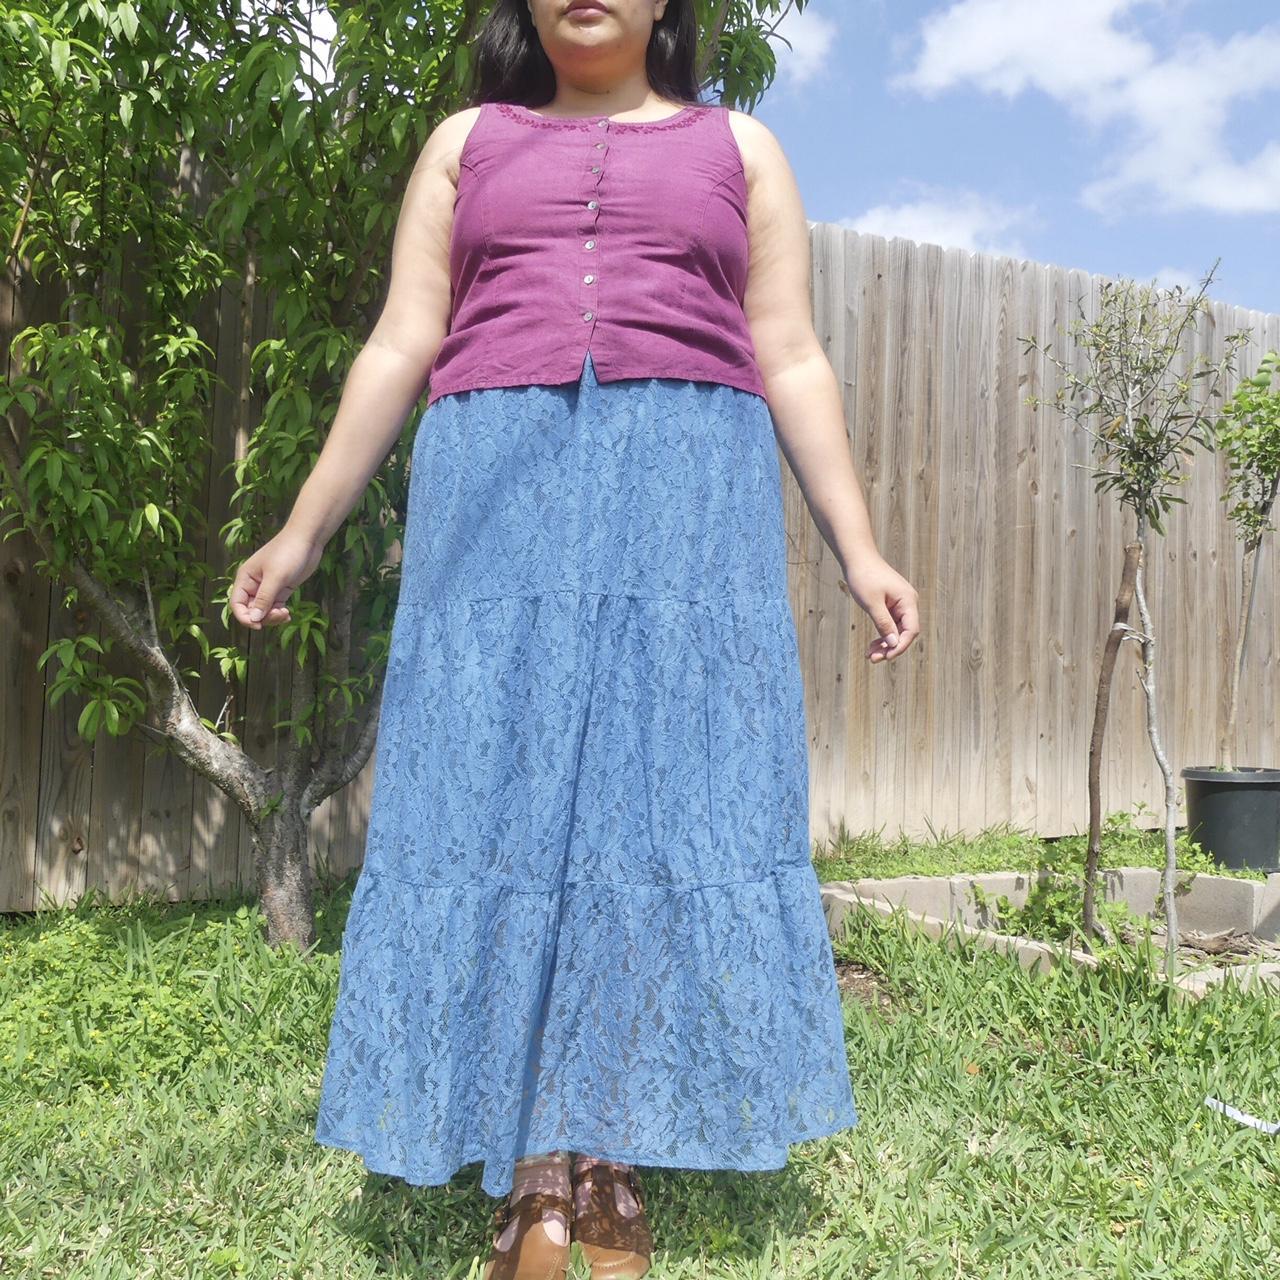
(399, 126)
(59, 56)
(294, 118)
(128, 20)
(152, 513)
(88, 722)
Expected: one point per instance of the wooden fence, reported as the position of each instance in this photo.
(986, 506)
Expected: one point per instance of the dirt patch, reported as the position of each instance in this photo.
(862, 984)
(1221, 950)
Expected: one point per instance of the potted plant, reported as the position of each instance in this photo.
(1233, 811)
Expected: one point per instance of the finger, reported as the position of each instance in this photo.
(909, 618)
(890, 644)
(277, 613)
(894, 651)
(906, 637)
(885, 624)
(264, 601)
(243, 590)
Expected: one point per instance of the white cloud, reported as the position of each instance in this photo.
(812, 37)
(1167, 114)
(1169, 277)
(1010, 46)
(961, 221)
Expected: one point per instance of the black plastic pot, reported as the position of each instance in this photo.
(1234, 815)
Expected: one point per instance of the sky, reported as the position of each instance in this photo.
(1136, 138)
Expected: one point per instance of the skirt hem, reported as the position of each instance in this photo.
(416, 1178)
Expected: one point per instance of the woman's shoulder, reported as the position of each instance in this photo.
(757, 144)
(447, 142)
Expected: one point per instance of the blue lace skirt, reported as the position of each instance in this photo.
(587, 916)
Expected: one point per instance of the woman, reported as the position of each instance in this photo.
(587, 924)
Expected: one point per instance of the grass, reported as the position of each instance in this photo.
(159, 1070)
(848, 856)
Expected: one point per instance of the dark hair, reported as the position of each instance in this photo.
(511, 66)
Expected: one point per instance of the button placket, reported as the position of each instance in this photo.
(588, 233)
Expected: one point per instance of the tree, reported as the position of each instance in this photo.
(1151, 416)
(1248, 436)
(151, 156)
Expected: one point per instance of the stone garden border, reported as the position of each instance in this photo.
(943, 907)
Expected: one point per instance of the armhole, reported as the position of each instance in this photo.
(732, 139)
(469, 143)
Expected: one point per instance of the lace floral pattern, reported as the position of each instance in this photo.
(524, 115)
(587, 916)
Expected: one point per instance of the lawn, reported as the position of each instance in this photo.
(159, 1069)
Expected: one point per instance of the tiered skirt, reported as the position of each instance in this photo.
(588, 916)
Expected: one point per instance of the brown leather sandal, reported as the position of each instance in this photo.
(617, 1247)
(533, 1255)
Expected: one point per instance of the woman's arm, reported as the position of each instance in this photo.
(390, 373)
(385, 381)
(802, 390)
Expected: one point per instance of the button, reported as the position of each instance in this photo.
(599, 146)
(593, 204)
(586, 315)
(595, 168)
(588, 279)
(590, 244)
(602, 122)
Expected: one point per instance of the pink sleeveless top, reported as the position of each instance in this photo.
(628, 240)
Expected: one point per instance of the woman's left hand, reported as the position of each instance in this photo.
(890, 602)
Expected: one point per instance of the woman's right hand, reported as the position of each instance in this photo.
(266, 579)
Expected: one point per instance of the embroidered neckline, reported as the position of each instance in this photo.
(524, 115)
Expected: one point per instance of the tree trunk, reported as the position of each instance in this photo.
(283, 872)
(1148, 678)
(1115, 637)
(1248, 585)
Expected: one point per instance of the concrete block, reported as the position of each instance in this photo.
(1015, 885)
(1193, 985)
(1213, 903)
(1210, 903)
(928, 894)
(1267, 923)
(839, 898)
(1135, 886)
(1249, 976)
(1245, 977)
